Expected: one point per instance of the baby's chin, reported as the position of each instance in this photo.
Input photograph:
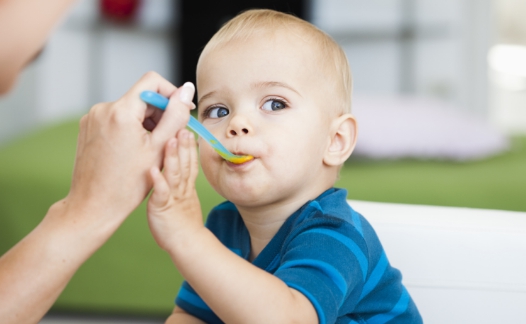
(242, 197)
(246, 196)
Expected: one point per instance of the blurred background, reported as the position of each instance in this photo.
(439, 95)
(466, 52)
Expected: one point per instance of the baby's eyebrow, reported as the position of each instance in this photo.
(268, 84)
(262, 84)
(205, 96)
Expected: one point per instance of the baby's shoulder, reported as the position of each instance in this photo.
(340, 218)
(335, 223)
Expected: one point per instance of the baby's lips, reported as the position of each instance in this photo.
(243, 154)
(240, 158)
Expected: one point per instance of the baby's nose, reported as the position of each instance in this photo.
(234, 133)
(239, 126)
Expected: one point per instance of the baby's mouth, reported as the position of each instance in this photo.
(240, 159)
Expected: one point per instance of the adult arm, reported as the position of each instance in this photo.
(24, 28)
(110, 179)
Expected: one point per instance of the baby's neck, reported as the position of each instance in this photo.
(263, 222)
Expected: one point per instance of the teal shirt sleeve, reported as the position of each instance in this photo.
(327, 262)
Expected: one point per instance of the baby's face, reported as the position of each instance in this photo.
(262, 97)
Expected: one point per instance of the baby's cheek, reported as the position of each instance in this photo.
(206, 160)
(209, 170)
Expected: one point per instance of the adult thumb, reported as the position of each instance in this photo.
(176, 115)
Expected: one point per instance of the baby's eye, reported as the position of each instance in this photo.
(217, 112)
(273, 105)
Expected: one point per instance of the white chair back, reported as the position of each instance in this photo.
(460, 265)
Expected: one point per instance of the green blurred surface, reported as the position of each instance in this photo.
(131, 275)
(494, 183)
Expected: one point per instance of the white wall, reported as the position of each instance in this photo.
(18, 109)
(88, 60)
(449, 54)
(508, 68)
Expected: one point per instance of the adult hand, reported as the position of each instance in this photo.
(118, 144)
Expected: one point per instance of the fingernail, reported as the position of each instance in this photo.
(187, 92)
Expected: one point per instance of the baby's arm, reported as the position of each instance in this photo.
(179, 316)
(236, 290)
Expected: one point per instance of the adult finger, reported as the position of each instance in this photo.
(86, 123)
(152, 117)
(176, 115)
(150, 81)
(83, 126)
(194, 163)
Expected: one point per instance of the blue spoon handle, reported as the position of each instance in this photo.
(155, 99)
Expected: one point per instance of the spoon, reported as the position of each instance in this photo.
(156, 100)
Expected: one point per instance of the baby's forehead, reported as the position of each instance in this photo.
(285, 42)
(317, 52)
(273, 36)
(258, 63)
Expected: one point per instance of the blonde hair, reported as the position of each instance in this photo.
(331, 56)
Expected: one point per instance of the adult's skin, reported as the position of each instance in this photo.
(24, 28)
(118, 144)
(110, 179)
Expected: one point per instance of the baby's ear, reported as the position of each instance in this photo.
(343, 134)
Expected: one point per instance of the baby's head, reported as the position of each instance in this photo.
(274, 86)
(330, 62)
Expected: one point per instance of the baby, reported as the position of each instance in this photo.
(286, 247)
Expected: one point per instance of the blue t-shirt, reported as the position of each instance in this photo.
(328, 252)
